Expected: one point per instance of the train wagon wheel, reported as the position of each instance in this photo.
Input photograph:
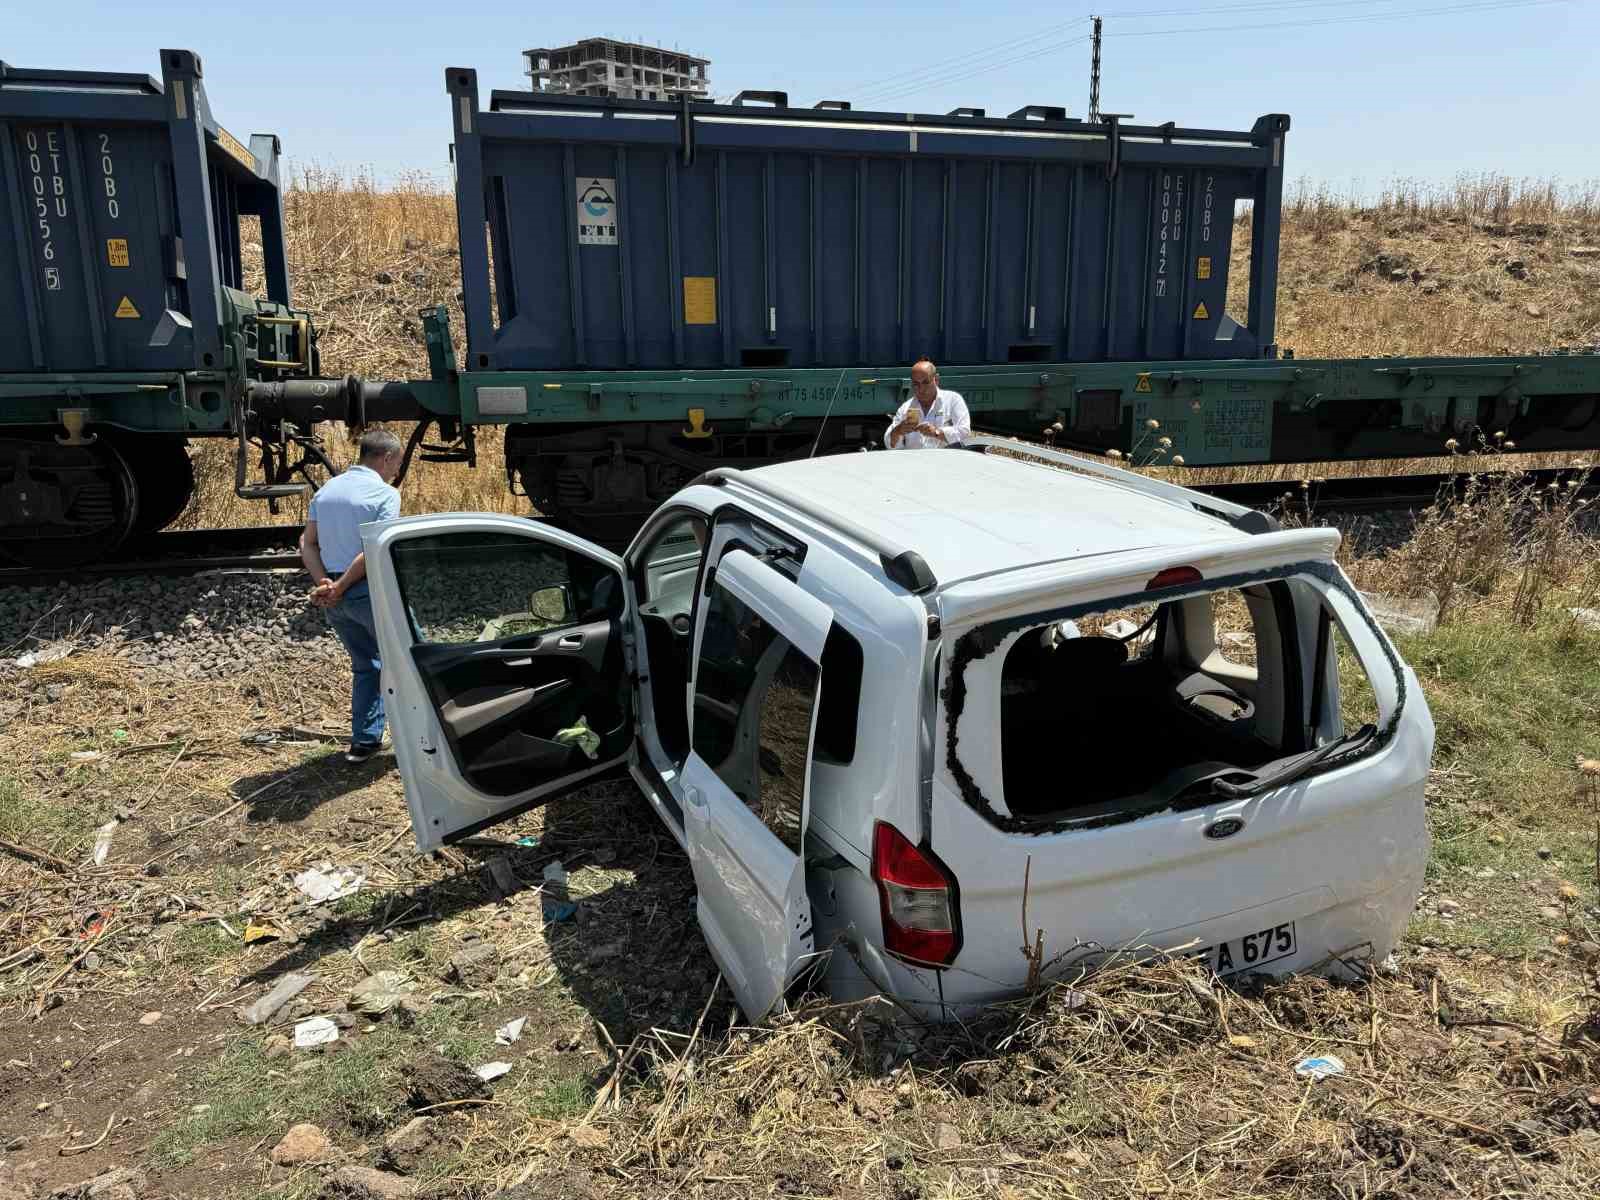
(164, 474)
(64, 506)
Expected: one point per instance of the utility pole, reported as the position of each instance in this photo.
(1094, 75)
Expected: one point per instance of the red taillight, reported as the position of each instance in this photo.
(917, 899)
(1172, 577)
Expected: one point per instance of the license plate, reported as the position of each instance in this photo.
(1250, 952)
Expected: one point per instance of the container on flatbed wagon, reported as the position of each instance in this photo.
(606, 234)
(120, 207)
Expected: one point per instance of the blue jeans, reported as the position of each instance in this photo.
(352, 620)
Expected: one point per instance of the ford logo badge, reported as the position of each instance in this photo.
(1226, 827)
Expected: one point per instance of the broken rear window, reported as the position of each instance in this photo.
(1125, 710)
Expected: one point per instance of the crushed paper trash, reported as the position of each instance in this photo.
(102, 842)
(315, 1031)
(509, 1032)
(1319, 1067)
(323, 883)
(492, 1070)
(381, 993)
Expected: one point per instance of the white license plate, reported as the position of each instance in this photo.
(1250, 952)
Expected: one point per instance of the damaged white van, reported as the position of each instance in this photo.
(933, 724)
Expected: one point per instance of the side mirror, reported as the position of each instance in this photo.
(552, 604)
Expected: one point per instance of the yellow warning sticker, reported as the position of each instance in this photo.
(1202, 267)
(1144, 382)
(117, 252)
(1200, 313)
(699, 299)
(126, 310)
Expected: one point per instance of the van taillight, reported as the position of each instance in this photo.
(1172, 577)
(917, 898)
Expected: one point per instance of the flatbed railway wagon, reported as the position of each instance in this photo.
(651, 289)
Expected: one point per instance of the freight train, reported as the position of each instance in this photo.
(655, 288)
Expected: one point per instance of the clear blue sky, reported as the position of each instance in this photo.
(1426, 89)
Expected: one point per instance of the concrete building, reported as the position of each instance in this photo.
(603, 67)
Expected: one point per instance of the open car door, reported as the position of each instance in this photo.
(507, 653)
(746, 783)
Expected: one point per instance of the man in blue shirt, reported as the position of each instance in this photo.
(331, 551)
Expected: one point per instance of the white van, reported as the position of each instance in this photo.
(890, 703)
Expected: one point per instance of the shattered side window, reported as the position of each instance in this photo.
(1358, 702)
(755, 696)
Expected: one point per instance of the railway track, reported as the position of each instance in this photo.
(1380, 493)
(273, 547)
(179, 552)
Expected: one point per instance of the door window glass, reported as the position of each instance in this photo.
(482, 587)
(755, 695)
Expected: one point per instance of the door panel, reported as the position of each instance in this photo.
(507, 652)
(504, 703)
(747, 777)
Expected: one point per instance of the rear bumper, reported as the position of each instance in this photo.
(1352, 920)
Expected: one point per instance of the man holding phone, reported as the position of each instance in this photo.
(931, 417)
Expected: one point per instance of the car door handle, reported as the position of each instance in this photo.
(572, 641)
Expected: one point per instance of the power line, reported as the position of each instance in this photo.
(937, 77)
(896, 82)
(1303, 22)
(983, 70)
(892, 82)
(975, 64)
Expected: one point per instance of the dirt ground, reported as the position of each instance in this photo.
(1467, 1069)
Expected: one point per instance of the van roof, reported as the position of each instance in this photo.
(969, 514)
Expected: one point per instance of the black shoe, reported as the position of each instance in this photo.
(360, 752)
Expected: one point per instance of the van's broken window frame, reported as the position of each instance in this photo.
(984, 640)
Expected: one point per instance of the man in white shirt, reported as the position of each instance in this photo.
(331, 551)
(932, 417)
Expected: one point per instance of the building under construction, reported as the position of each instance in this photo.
(603, 67)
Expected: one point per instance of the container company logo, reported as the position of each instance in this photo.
(597, 211)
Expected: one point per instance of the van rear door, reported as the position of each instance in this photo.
(1153, 742)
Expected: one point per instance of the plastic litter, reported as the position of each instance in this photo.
(261, 933)
(492, 1070)
(581, 736)
(509, 1032)
(94, 923)
(322, 883)
(555, 880)
(559, 910)
(315, 1031)
(530, 840)
(285, 990)
(102, 842)
(48, 653)
(1320, 1067)
(381, 993)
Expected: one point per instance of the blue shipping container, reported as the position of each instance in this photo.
(120, 203)
(612, 234)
